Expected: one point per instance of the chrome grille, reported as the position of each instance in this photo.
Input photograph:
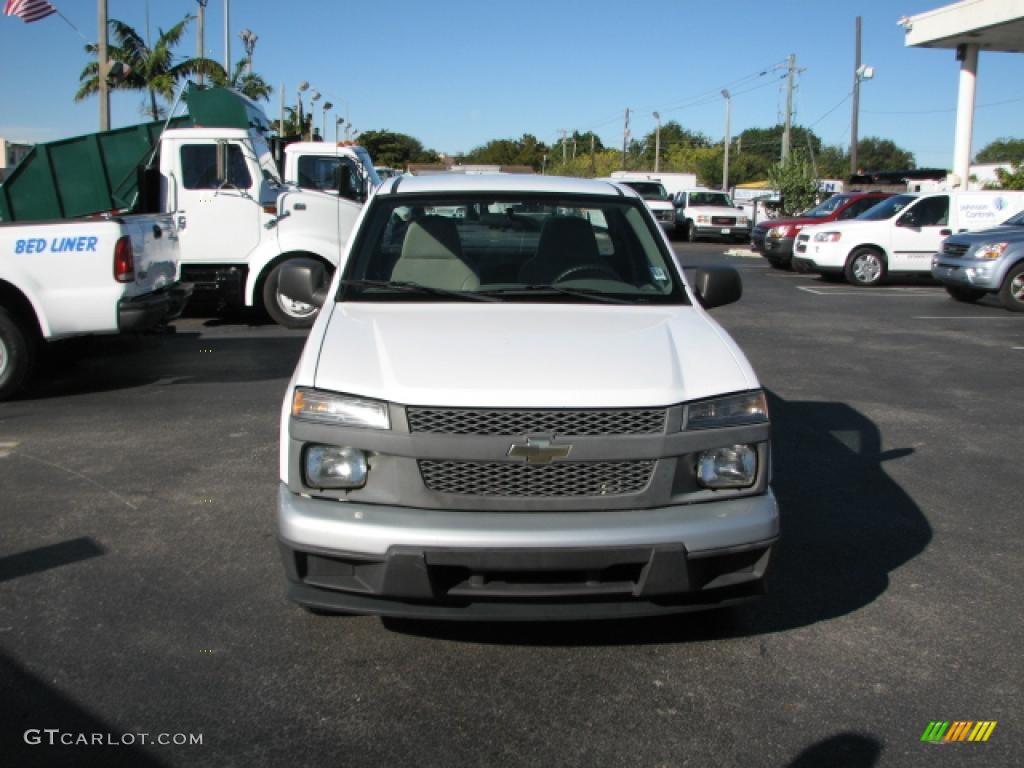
(955, 249)
(459, 421)
(567, 478)
(723, 221)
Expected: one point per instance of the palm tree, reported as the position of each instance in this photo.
(245, 82)
(144, 68)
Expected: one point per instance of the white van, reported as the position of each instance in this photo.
(900, 234)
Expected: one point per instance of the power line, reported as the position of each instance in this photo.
(936, 111)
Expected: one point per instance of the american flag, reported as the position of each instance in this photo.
(29, 10)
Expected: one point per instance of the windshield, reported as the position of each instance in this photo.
(827, 208)
(649, 190)
(508, 247)
(719, 199)
(887, 208)
(1015, 221)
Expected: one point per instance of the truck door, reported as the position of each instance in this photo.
(219, 221)
(919, 233)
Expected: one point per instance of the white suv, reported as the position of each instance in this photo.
(520, 412)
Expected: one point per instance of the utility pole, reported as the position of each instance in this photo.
(201, 33)
(227, 37)
(855, 114)
(280, 122)
(787, 130)
(562, 132)
(657, 140)
(104, 69)
(728, 139)
(593, 166)
(625, 139)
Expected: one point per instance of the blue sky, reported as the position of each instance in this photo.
(456, 73)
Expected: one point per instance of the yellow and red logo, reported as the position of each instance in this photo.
(958, 730)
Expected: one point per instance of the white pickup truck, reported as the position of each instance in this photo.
(514, 405)
(72, 278)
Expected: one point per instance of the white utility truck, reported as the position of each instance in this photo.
(72, 278)
(213, 169)
(900, 234)
(514, 405)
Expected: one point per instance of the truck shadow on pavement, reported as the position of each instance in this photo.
(846, 525)
(110, 363)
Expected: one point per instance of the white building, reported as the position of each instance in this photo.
(11, 153)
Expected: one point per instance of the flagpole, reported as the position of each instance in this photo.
(77, 30)
(101, 71)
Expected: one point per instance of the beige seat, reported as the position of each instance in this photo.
(432, 256)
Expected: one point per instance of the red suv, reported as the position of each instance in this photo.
(773, 238)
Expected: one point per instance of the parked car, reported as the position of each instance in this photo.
(708, 213)
(774, 238)
(974, 264)
(516, 416)
(899, 234)
(657, 199)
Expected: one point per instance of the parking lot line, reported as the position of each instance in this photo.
(964, 317)
(897, 291)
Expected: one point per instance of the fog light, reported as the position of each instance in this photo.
(333, 466)
(732, 467)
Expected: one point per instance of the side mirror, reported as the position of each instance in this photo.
(715, 286)
(304, 280)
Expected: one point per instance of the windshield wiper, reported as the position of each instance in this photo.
(585, 293)
(402, 285)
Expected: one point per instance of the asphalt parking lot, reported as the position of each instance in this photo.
(141, 589)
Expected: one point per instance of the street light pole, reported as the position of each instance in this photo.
(313, 99)
(657, 141)
(103, 71)
(227, 37)
(728, 138)
(201, 33)
(304, 85)
(323, 123)
(337, 123)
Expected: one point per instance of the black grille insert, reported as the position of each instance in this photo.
(455, 421)
(559, 479)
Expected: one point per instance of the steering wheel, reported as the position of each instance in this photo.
(588, 270)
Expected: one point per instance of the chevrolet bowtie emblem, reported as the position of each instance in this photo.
(538, 451)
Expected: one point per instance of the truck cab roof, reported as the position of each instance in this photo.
(502, 182)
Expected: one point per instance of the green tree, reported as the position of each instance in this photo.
(396, 150)
(526, 150)
(1003, 150)
(875, 154)
(1012, 179)
(833, 162)
(795, 180)
(146, 69)
(247, 83)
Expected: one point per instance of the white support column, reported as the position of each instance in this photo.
(965, 114)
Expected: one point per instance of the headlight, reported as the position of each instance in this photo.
(333, 466)
(703, 219)
(731, 411)
(827, 237)
(331, 408)
(990, 250)
(778, 231)
(742, 220)
(732, 467)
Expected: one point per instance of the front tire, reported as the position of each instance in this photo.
(282, 309)
(17, 355)
(964, 294)
(1012, 291)
(691, 232)
(865, 267)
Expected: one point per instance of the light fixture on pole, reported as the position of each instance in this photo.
(314, 97)
(323, 123)
(249, 39)
(337, 124)
(657, 140)
(728, 138)
(303, 86)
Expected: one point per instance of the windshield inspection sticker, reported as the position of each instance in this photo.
(658, 274)
(56, 245)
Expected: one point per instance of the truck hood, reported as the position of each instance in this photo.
(528, 355)
(712, 210)
(660, 205)
(995, 234)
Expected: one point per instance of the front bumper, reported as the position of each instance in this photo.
(140, 313)
(487, 565)
(731, 232)
(968, 273)
(773, 249)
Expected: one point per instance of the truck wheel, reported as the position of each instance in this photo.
(282, 309)
(1012, 291)
(17, 355)
(691, 232)
(964, 294)
(865, 267)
